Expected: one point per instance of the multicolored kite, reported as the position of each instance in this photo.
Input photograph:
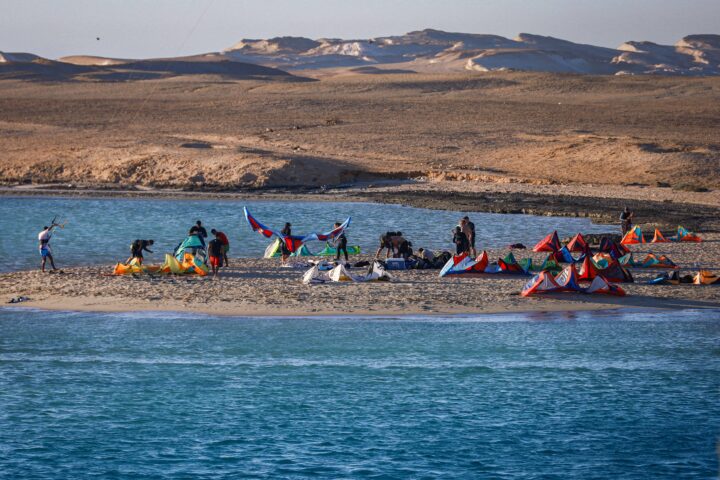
(293, 242)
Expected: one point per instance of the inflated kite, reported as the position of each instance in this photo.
(294, 242)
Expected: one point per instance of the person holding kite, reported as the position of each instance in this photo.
(285, 251)
(340, 244)
(44, 245)
(291, 243)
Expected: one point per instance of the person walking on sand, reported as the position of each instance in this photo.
(225, 243)
(340, 245)
(44, 247)
(468, 229)
(136, 250)
(460, 240)
(284, 250)
(626, 220)
(215, 252)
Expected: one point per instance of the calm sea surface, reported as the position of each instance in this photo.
(101, 230)
(583, 395)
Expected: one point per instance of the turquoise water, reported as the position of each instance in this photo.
(602, 395)
(101, 230)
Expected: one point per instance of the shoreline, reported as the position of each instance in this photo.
(50, 306)
(258, 287)
(656, 207)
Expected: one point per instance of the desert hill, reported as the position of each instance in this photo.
(425, 51)
(88, 68)
(192, 132)
(434, 50)
(429, 105)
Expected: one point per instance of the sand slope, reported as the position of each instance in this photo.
(100, 69)
(201, 132)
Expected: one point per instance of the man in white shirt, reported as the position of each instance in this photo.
(44, 247)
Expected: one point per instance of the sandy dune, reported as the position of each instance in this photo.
(82, 68)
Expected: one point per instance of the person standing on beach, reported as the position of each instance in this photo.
(215, 252)
(200, 231)
(285, 252)
(225, 243)
(136, 250)
(460, 240)
(626, 219)
(340, 245)
(470, 233)
(44, 247)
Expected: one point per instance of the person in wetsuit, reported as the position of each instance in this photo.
(626, 219)
(340, 244)
(285, 252)
(460, 240)
(405, 250)
(470, 233)
(200, 231)
(136, 250)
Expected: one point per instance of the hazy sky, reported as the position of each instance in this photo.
(145, 28)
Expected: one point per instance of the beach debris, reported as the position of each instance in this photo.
(19, 299)
(341, 273)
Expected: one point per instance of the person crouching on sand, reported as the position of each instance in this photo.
(215, 252)
(390, 241)
(44, 247)
(225, 243)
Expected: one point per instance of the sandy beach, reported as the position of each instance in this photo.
(260, 287)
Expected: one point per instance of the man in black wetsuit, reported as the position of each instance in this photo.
(285, 252)
(340, 244)
(460, 240)
(136, 250)
(471, 238)
(626, 218)
(200, 231)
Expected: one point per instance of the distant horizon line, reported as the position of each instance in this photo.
(348, 40)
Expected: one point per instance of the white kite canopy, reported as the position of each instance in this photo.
(341, 274)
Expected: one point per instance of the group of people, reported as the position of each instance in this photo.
(396, 245)
(340, 244)
(464, 237)
(217, 248)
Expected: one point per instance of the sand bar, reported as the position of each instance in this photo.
(259, 287)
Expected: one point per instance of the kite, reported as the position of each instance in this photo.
(294, 242)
